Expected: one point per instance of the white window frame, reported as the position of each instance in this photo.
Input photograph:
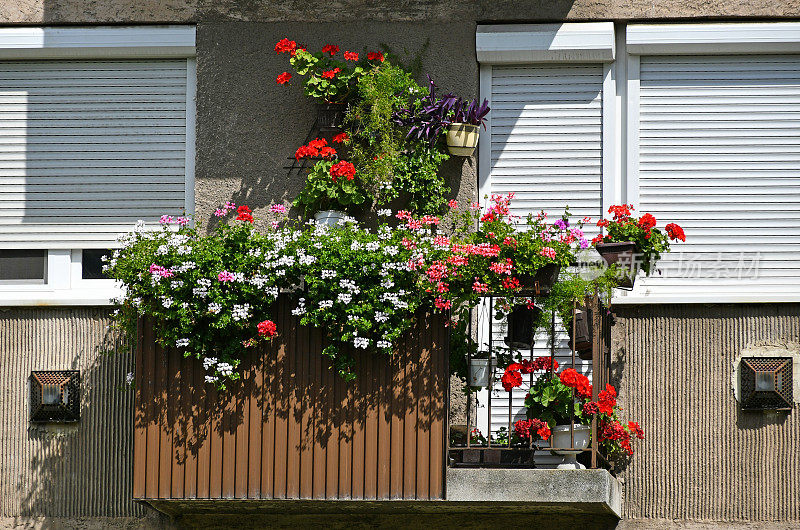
(65, 285)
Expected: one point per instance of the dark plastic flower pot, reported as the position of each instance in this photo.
(521, 326)
(620, 253)
(542, 280)
(583, 333)
(330, 116)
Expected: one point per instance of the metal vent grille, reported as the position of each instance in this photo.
(766, 383)
(55, 396)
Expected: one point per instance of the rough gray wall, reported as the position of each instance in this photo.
(83, 469)
(247, 124)
(151, 11)
(703, 459)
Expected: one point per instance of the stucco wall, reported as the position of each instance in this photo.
(148, 11)
(703, 459)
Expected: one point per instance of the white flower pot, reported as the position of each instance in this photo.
(462, 138)
(561, 438)
(479, 373)
(329, 217)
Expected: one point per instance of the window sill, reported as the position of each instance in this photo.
(59, 297)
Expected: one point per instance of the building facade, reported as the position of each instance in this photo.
(690, 111)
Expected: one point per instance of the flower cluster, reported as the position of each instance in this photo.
(524, 429)
(650, 241)
(512, 376)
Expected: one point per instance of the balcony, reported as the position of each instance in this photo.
(291, 435)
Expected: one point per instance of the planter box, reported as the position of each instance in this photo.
(292, 428)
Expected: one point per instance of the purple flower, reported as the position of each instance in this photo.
(576, 233)
(584, 243)
(561, 224)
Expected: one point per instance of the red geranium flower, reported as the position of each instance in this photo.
(329, 74)
(350, 56)
(283, 78)
(318, 143)
(244, 214)
(511, 378)
(635, 429)
(343, 169)
(647, 221)
(675, 232)
(375, 56)
(330, 48)
(286, 46)
(341, 138)
(327, 152)
(267, 328)
(305, 151)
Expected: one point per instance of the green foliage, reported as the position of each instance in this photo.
(552, 401)
(326, 88)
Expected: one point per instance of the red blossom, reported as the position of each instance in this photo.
(329, 74)
(330, 48)
(647, 221)
(590, 408)
(442, 304)
(675, 232)
(340, 138)
(343, 169)
(286, 46)
(350, 56)
(327, 152)
(283, 78)
(267, 328)
(244, 214)
(375, 56)
(511, 378)
(510, 283)
(305, 151)
(318, 143)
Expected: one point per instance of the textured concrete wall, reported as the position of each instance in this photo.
(64, 471)
(704, 459)
(144, 11)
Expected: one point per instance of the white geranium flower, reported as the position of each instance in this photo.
(211, 379)
(240, 311)
(328, 274)
(326, 304)
(381, 316)
(167, 302)
(208, 362)
(129, 379)
(345, 298)
(386, 212)
(181, 343)
(361, 342)
(383, 344)
(372, 246)
(214, 308)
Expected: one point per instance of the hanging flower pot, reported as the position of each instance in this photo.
(462, 138)
(582, 340)
(329, 217)
(542, 280)
(560, 439)
(479, 370)
(330, 116)
(522, 326)
(620, 253)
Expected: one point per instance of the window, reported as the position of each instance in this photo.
(706, 134)
(90, 145)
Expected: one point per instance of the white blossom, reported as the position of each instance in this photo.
(326, 304)
(208, 362)
(214, 308)
(372, 246)
(385, 212)
(225, 369)
(381, 316)
(345, 298)
(181, 343)
(355, 245)
(167, 302)
(383, 344)
(361, 342)
(162, 249)
(176, 284)
(328, 274)
(129, 379)
(211, 379)
(240, 311)
(387, 283)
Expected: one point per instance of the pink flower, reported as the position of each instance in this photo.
(479, 287)
(220, 213)
(161, 271)
(183, 221)
(274, 224)
(277, 208)
(225, 276)
(548, 252)
(442, 304)
(230, 206)
(167, 219)
(452, 203)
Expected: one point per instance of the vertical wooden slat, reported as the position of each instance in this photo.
(321, 416)
(243, 426)
(307, 386)
(410, 422)
(190, 392)
(139, 417)
(385, 394)
(270, 364)
(257, 408)
(333, 411)
(228, 401)
(153, 434)
(359, 425)
(295, 413)
(346, 439)
(202, 418)
(215, 439)
(372, 395)
(283, 379)
(438, 399)
(178, 447)
(423, 410)
(164, 427)
(398, 426)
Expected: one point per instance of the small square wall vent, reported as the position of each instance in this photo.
(766, 383)
(55, 396)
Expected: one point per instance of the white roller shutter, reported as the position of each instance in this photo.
(546, 147)
(89, 147)
(719, 154)
(546, 137)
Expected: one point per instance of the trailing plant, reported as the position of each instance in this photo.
(426, 117)
(470, 112)
(650, 241)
